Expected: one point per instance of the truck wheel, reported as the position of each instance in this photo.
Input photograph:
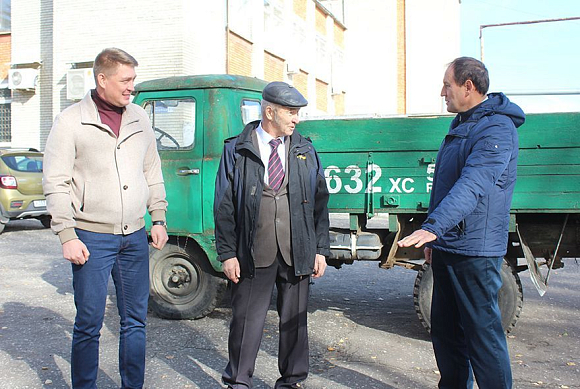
(510, 297)
(180, 288)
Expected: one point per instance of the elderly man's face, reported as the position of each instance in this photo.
(284, 121)
(455, 95)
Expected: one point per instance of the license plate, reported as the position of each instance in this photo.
(39, 203)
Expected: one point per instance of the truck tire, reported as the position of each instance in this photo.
(510, 297)
(181, 286)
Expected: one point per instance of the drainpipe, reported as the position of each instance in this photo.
(227, 37)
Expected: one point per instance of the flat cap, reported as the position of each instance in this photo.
(280, 93)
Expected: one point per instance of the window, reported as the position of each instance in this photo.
(5, 115)
(276, 38)
(337, 71)
(173, 122)
(240, 18)
(24, 163)
(251, 110)
(322, 58)
(5, 16)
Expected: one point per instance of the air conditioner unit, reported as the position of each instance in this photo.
(25, 78)
(78, 83)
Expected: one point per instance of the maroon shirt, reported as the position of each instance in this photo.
(110, 115)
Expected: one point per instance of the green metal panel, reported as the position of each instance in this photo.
(397, 175)
(398, 154)
(206, 82)
(223, 120)
(183, 192)
(403, 151)
(377, 134)
(549, 164)
(551, 130)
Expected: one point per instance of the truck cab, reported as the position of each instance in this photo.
(191, 118)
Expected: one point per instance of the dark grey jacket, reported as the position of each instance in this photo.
(239, 186)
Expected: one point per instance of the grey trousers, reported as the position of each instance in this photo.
(250, 301)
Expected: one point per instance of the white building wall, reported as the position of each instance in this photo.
(256, 19)
(432, 29)
(307, 52)
(273, 26)
(203, 31)
(163, 37)
(371, 60)
(188, 37)
(26, 104)
(303, 53)
(171, 38)
(433, 41)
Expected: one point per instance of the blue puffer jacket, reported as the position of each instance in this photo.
(474, 180)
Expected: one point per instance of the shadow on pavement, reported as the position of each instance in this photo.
(15, 226)
(37, 335)
(402, 321)
(189, 352)
(60, 276)
(371, 297)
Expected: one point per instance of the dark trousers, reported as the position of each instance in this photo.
(126, 258)
(250, 301)
(466, 322)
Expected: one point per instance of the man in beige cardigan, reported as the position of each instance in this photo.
(101, 173)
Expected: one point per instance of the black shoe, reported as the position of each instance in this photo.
(296, 385)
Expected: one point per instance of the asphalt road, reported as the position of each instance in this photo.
(362, 324)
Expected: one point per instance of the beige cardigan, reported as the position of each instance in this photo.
(98, 182)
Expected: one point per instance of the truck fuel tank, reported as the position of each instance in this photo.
(349, 246)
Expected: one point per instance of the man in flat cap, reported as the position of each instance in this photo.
(271, 228)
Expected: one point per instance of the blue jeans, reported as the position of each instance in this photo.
(126, 258)
(466, 330)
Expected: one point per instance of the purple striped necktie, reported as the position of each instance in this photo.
(275, 169)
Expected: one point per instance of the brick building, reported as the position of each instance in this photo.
(303, 42)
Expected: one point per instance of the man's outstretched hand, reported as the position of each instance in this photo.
(418, 239)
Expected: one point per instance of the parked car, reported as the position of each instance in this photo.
(21, 194)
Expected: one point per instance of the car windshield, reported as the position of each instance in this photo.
(23, 163)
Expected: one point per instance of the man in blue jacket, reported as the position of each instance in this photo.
(466, 229)
(271, 228)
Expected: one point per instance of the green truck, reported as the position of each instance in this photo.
(376, 169)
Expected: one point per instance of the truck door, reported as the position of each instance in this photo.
(177, 120)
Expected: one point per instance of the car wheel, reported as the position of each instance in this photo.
(45, 220)
(2, 225)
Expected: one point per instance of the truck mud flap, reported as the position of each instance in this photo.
(538, 279)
